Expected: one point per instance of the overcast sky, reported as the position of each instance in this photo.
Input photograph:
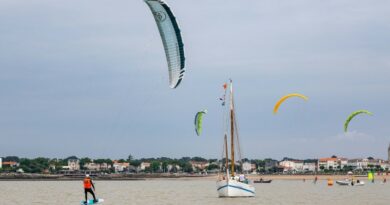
(89, 78)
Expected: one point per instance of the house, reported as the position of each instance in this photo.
(121, 167)
(332, 163)
(144, 165)
(309, 167)
(97, 167)
(73, 164)
(248, 167)
(199, 165)
(291, 165)
(1, 162)
(173, 168)
(10, 164)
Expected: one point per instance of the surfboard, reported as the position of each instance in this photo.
(90, 201)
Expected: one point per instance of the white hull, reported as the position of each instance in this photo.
(233, 188)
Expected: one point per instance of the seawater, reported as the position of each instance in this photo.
(190, 191)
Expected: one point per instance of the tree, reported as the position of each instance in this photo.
(155, 166)
(130, 158)
(187, 168)
(84, 161)
(11, 159)
(212, 166)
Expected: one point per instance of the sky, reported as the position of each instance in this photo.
(89, 78)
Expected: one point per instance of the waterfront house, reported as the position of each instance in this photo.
(199, 165)
(332, 163)
(309, 167)
(73, 164)
(144, 165)
(97, 167)
(291, 165)
(121, 167)
(248, 167)
(10, 164)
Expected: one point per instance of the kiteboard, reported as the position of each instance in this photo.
(90, 201)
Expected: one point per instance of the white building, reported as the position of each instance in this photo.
(97, 167)
(144, 165)
(121, 167)
(358, 164)
(332, 163)
(73, 164)
(248, 167)
(309, 167)
(291, 165)
(1, 162)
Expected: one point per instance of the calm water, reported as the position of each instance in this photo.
(180, 191)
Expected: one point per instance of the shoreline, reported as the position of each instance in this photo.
(142, 177)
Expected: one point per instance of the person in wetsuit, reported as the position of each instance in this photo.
(88, 185)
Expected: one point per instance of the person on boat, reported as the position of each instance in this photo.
(358, 181)
(88, 185)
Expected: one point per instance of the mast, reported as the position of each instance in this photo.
(227, 158)
(232, 127)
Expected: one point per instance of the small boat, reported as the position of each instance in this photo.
(263, 181)
(343, 182)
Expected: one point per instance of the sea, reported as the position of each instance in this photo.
(190, 191)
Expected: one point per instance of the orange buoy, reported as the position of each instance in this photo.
(330, 182)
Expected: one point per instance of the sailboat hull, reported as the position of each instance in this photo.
(234, 188)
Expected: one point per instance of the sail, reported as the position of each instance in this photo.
(171, 39)
(284, 98)
(199, 122)
(352, 115)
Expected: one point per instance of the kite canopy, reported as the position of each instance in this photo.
(199, 121)
(281, 100)
(171, 38)
(352, 115)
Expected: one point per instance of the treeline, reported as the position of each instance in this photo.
(160, 164)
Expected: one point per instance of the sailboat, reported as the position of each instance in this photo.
(230, 183)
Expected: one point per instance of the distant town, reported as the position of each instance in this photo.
(74, 166)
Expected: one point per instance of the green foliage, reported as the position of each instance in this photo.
(37, 165)
(155, 166)
(212, 166)
(11, 159)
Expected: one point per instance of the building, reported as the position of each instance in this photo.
(309, 167)
(332, 163)
(73, 164)
(144, 165)
(1, 162)
(10, 164)
(97, 167)
(358, 164)
(121, 167)
(388, 154)
(199, 165)
(248, 167)
(291, 165)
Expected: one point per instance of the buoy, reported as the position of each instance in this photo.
(330, 182)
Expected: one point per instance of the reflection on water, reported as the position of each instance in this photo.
(180, 191)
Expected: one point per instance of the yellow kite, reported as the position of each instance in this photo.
(281, 100)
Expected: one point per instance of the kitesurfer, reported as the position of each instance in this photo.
(88, 185)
